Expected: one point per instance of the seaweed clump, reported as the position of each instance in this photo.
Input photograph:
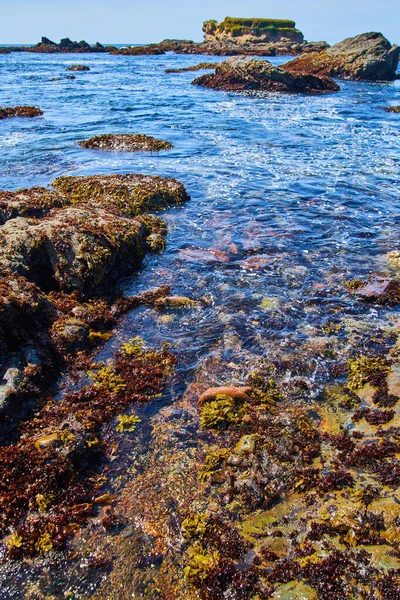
(363, 370)
(45, 484)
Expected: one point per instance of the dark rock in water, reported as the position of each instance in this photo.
(126, 142)
(151, 49)
(78, 68)
(392, 109)
(47, 46)
(368, 56)
(244, 73)
(5, 51)
(46, 42)
(200, 67)
(20, 111)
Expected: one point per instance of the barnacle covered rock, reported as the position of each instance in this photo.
(126, 142)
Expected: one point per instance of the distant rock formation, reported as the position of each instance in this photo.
(245, 73)
(369, 56)
(254, 31)
(47, 46)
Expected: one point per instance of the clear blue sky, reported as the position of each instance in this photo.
(143, 21)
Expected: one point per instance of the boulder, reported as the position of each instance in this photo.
(369, 56)
(245, 73)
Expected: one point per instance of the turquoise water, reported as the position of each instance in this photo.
(290, 195)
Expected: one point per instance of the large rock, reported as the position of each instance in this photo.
(251, 30)
(244, 73)
(368, 56)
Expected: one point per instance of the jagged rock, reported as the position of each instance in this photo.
(392, 109)
(126, 142)
(368, 56)
(20, 111)
(244, 73)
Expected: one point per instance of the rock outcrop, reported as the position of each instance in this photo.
(47, 46)
(244, 73)
(199, 67)
(126, 142)
(392, 109)
(369, 56)
(256, 31)
(20, 111)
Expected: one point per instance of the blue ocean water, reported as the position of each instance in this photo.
(290, 195)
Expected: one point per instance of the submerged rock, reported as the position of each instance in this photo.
(20, 111)
(126, 142)
(244, 73)
(367, 56)
(392, 109)
(78, 68)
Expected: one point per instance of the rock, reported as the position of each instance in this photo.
(393, 258)
(78, 68)
(20, 111)
(95, 239)
(246, 445)
(368, 56)
(237, 393)
(392, 109)
(175, 302)
(244, 73)
(5, 51)
(66, 45)
(255, 31)
(151, 49)
(126, 142)
(200, 67)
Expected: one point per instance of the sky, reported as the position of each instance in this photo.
(145, 21)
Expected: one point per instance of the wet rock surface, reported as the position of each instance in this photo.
(369, 56)
(244, 73)
(199, 67)
(126, 142)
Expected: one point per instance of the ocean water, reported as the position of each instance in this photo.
(290, 195)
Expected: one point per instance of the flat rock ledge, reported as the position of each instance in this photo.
(369, 56)
(126, 142)
(20, 111)
(245, 73)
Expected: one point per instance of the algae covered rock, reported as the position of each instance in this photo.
(126, 142)
(244, 73)
(128, 195)
(368, 56)
(20, 111)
